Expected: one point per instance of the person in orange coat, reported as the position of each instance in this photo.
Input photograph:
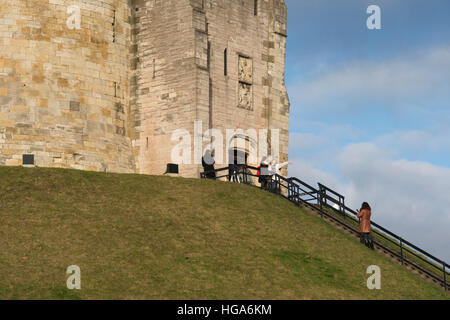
(364, 225)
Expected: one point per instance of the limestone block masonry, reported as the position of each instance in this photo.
(108, 96)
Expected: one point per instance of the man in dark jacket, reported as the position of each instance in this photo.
(208, 164)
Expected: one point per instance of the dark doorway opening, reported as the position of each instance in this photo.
(237, 160)
(237, 157)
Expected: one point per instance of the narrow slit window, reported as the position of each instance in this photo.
(114, 26)
(256, 7)
(225, 62)
(154, 68)
(209, 55)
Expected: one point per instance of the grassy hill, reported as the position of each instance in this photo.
(146, 237)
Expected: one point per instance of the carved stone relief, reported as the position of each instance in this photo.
(245, 96)
(245, 91)
(245, 70)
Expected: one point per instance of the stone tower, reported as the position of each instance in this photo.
(109, 95)
(65, 92)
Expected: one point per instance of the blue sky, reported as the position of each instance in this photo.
(370, 109)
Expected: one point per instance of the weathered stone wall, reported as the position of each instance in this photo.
(260, 38)
(166, 80)
(64, 94)
(182, 46)
(109, 96)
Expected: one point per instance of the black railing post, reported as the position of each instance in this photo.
(445, 276)
(401, 250)
(289, 190)
(245, 175)
(321, 202)
(278, 185)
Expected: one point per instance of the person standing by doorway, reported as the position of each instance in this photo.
(364, 226)
(264, 175)
(274, 169)
(208, 164)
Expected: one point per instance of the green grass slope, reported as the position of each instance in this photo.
(146, 237)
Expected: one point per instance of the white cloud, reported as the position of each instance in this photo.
(305, 141)
(320, 147)
(409, 198)
(434, 140)
(309, 174)
(403, 82)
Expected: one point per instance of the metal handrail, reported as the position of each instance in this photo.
(321, 186)
(398, 238)
(293, 184)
